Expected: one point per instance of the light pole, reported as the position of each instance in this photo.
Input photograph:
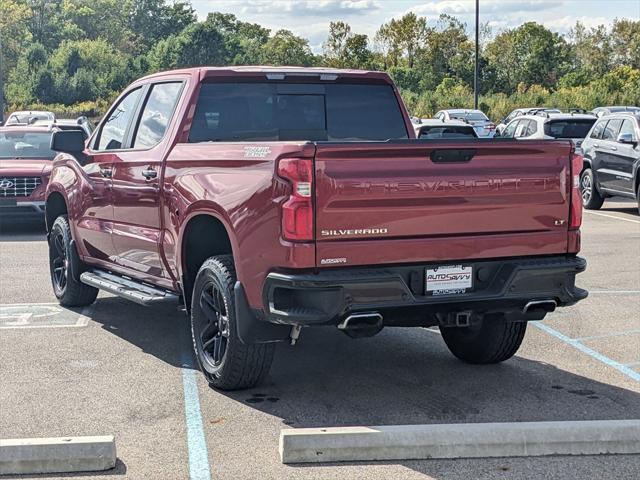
(477, 63)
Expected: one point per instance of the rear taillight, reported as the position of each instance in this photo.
(297, 211)
(575, 213)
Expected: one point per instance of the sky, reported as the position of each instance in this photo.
(310, 18)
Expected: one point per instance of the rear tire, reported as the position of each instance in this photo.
(493, 340)
(591, 198)
(226, 362)
(62, 255)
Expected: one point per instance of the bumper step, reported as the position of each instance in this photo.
(126, 288)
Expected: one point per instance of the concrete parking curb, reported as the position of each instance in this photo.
(407, 442)
(57, 455)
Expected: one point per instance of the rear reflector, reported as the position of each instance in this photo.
(297, 211)
(575, 213)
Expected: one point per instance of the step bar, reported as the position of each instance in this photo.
(126, 288)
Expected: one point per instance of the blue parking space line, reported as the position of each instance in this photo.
(584, 349)
(196, 444)
(607, 335)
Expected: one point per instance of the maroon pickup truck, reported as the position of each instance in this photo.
(270, 199)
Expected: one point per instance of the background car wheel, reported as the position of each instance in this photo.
(492, 340)
(591, 198)
(226, 362)
(62, 255)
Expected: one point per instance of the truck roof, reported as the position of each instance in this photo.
(257, 70)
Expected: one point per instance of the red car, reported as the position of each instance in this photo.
(25, 166)
(267, 200)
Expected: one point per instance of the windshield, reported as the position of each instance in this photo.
(295, 111)
(17, 144)
(447, 132)
(569, 128)
(471, 116)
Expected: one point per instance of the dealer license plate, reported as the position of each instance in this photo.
(449, 279)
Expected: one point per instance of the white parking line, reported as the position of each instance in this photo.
(612, 216)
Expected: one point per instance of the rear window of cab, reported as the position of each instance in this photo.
(230, 112)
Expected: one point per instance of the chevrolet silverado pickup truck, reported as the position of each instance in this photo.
(266, 199)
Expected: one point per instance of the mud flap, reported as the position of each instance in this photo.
(250, 330)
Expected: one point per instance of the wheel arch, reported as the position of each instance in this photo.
(204, 235)
(55, 205)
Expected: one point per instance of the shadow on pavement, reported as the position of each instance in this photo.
(22, 230)
(161, 331)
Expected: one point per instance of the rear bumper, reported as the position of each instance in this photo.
(397, 292)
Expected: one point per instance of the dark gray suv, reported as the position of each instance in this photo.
(611, 160)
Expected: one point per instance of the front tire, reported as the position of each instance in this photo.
(591, 198)
(226, 362)
(493, 340)
(69, 291)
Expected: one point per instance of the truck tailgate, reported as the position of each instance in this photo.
(421, 200)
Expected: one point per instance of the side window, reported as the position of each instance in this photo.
(611, 131)
(532, 128)
(439, 115)
(511, 129)
(627, 127)
(598, 129)
(114, 129)
(156, 114)
(521, 130)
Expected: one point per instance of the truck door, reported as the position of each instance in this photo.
(95, 222)
(136, 182)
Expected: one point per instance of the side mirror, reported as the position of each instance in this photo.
(626, 138)
(68, 141)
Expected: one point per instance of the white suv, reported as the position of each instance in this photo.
(542, 125)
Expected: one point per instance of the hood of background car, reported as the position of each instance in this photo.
(23, 167)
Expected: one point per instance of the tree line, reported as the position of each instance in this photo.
(78, 54)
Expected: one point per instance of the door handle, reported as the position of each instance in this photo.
(597, 145)
(149, 173)
(615, 149)
(106, 172)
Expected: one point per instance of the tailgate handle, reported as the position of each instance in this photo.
(452, 156)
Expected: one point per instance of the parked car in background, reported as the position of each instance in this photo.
(476, 118)
(611, 160)
(541, 125)
(436, 129)
(25, 165)
(268, 199)
(80, 123)
(601, 111)
(28, 117)
(522, 111)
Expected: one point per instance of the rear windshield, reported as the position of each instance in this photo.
(447, 132)
(577, 128)
(17, 144)
(289, 111)
(471, 116)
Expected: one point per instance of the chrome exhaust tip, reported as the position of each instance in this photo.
(364, 324)
(546, 306)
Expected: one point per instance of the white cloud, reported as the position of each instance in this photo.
(468, 7)
(299, 8)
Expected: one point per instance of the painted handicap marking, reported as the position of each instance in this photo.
(48, 315)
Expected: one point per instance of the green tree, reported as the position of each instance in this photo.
(285, 48)
(403, 38)
(345, 49)
(528, 54)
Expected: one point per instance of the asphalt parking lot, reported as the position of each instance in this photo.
(118, 368)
